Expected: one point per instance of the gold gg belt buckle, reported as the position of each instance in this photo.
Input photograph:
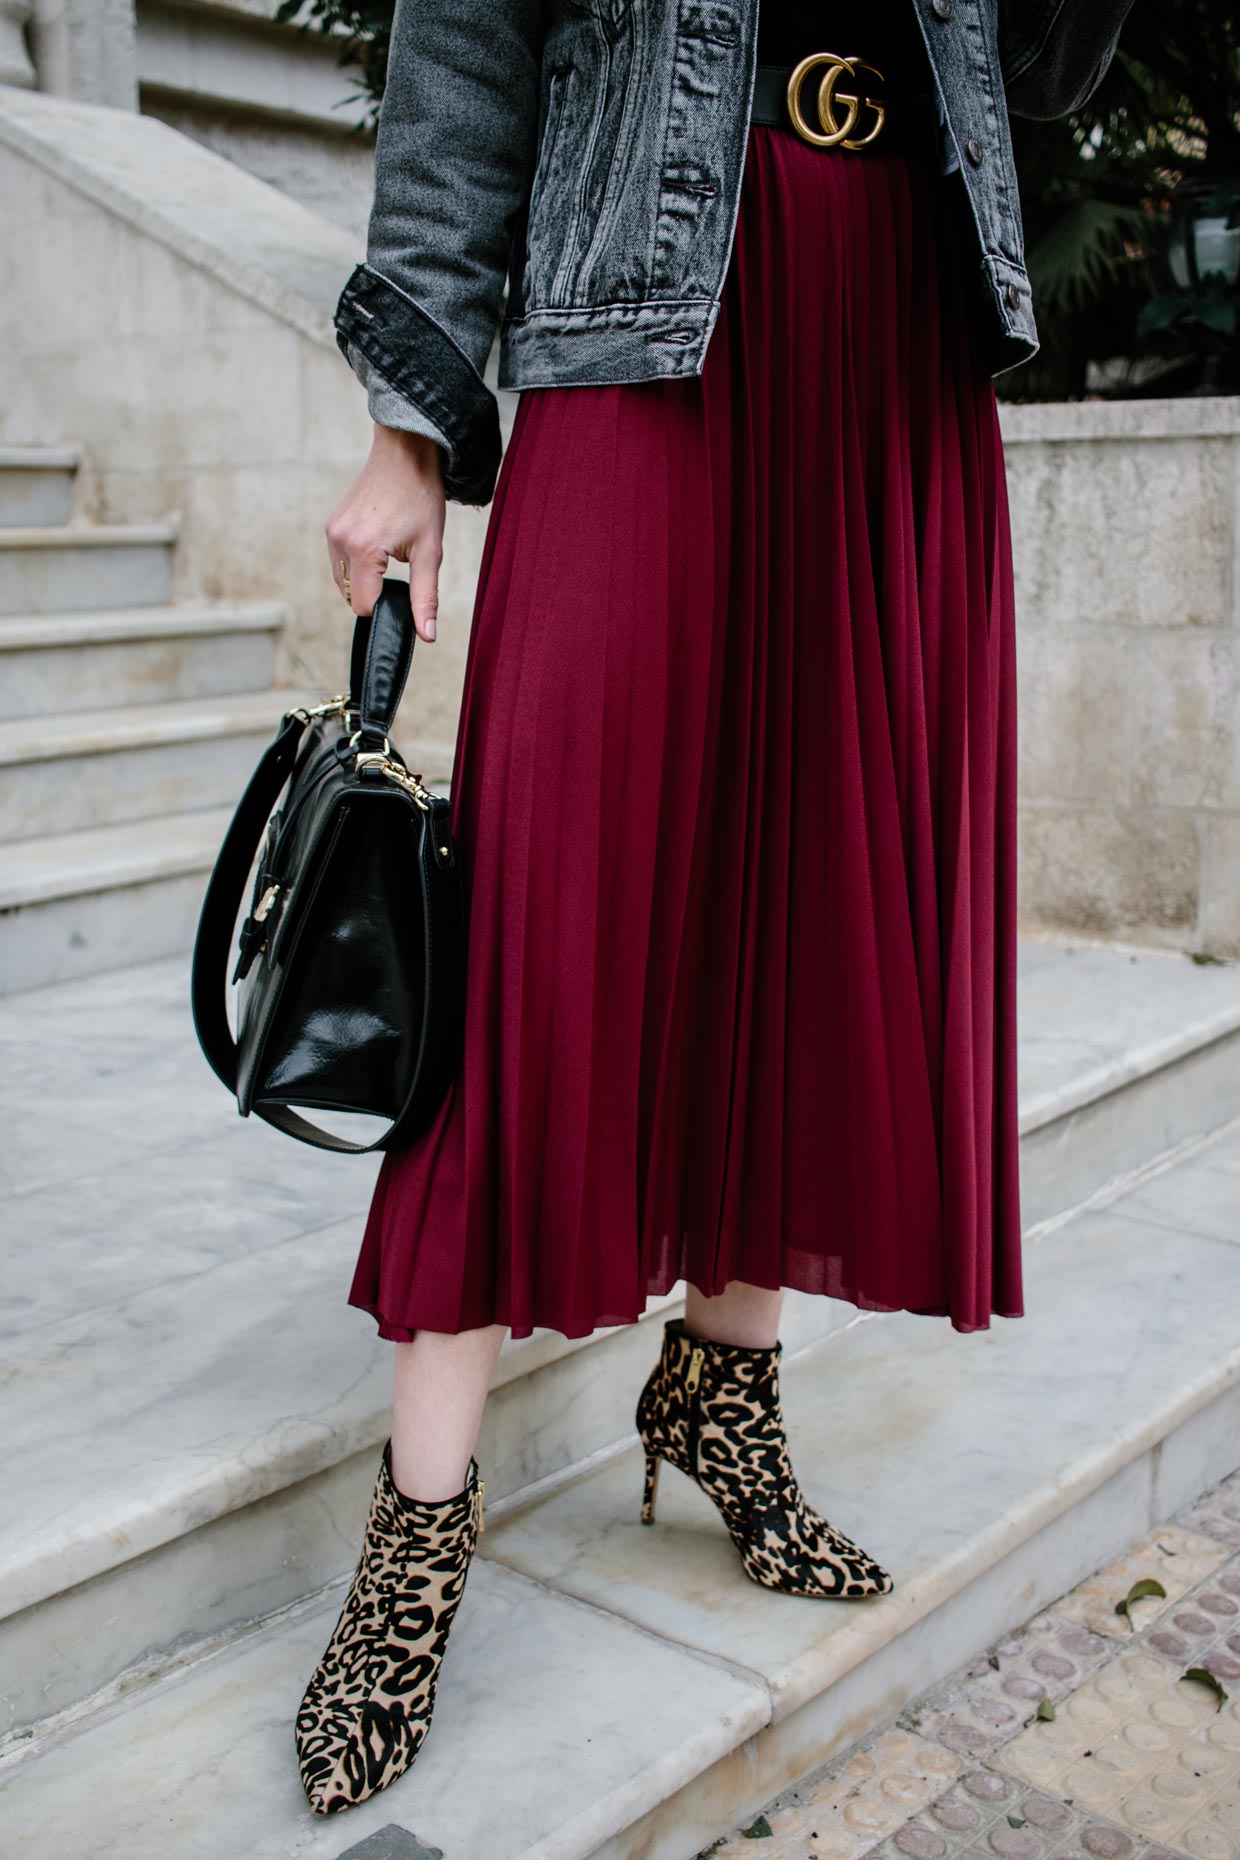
(836, 132)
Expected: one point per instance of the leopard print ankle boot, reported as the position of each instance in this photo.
(368, 1705)
(713, 1410)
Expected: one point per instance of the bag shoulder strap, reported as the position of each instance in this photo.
(224, 893)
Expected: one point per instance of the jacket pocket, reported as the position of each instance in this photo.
(544, 228)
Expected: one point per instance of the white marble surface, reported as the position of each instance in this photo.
(1094, 1019)
(182, 1276)
(939, 1453)
(575, 1719)
(1205, 1201)
(555, 1726)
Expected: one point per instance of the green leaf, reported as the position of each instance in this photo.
(1045, 1708)
(1148, 1585)
(1079, 253)
(1015, 1821)
(1202, 1676)
(759, 1831)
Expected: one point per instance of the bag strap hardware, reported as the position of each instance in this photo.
(412, 784)
(265, 903)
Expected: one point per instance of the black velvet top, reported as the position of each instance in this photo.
(884, 31)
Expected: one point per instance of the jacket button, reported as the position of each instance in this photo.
(974, 150)
(1012, 294)
(942, 9)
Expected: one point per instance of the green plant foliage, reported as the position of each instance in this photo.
(1100, 193)
(364, 31)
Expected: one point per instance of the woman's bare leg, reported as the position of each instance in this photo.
(439, 1389)
(743, 1314)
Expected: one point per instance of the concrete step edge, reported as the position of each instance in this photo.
(71, 865)
(141, 726)
(125, 625)
(88, 536)
(39, 458)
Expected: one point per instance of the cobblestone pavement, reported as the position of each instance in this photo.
(1078, 1737)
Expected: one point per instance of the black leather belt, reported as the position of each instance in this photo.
(845, 103)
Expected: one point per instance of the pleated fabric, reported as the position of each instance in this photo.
(735, 793)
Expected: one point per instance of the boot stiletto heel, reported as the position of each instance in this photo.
(653, 1462)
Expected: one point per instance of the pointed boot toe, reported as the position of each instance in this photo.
(346, 1756)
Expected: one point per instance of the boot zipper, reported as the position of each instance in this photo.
(693, 1379)
(480, 1492)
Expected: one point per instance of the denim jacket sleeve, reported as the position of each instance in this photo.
(455, 145)
(1055, 53)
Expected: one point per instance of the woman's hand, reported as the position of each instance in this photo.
(393, 510)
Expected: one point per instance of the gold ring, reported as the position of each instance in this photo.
(344, 576)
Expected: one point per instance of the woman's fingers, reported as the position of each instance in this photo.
(366, 582)
(424, 587)
(393, 512)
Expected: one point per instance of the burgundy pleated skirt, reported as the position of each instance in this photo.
(735, 790)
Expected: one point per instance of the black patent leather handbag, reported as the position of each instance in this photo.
(350, 963)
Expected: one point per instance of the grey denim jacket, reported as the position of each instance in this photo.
(587, 155)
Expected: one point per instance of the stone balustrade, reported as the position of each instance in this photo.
(1126, 524)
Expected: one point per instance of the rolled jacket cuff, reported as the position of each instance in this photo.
(387, 406)
(410, 356)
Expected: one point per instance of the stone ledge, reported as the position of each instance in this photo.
(138, 726)
(249, 236)
(1198, 417)
(110, 625)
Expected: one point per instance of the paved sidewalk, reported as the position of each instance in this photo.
(1078, 1738)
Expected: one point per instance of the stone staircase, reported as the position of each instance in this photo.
(128, 725)
(193, 1419)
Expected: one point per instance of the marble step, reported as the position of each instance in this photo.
(104, 767)
(54, 664)
(627, 1694)
(214, 1258)
(36, 485)
(75, 904)
(65, 569)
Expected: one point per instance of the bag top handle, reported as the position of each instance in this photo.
(382, 654)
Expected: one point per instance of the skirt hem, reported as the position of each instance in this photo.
(392, 1332)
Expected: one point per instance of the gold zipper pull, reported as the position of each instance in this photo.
(695, 1367)
(480, 1492)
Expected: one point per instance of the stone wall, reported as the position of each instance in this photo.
(270, 97)
(171, 315)
(1126, 527)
